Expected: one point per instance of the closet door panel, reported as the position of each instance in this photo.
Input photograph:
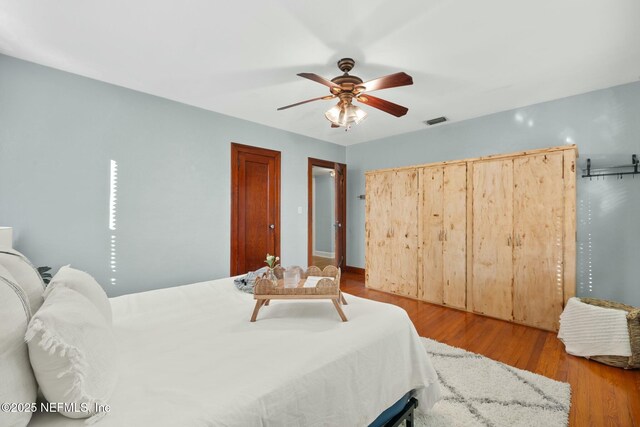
(492, 238)
(538, 236)
(378, 229)
(404, 233)
(455, 236)
(432, 188)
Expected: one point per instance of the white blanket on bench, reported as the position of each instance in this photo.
(587, 330)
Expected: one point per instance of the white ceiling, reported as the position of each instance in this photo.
(467, 58)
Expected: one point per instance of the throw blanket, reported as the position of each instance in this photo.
(587, 330)
(246, 283)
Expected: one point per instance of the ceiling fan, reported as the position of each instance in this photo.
(348, 87)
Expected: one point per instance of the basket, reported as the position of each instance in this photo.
(633, 323)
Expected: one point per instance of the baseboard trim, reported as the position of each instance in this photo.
(354, 270)
(466, 310)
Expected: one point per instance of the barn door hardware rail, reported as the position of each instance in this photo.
(618, 171)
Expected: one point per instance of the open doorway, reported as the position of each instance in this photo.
(327, 213)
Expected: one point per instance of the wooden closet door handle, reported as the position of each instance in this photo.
(509, 240)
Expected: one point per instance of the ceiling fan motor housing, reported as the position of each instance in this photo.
(346, 64)
(347, 83)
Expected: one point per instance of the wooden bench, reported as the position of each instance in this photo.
(328, 287)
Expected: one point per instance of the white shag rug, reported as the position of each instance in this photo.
(478, 391)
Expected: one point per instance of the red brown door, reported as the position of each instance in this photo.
(336, 230)
(255, 207)
(341, 214)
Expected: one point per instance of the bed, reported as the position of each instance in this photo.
(190, 357)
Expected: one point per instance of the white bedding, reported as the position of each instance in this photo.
(190, 357)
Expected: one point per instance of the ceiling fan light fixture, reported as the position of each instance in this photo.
(354, 114)
(333, 114)
(345, 114)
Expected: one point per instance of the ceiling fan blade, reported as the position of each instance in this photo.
(386, 82)
(308, 100)
(333, 125)
(381, 104)
(321, 80)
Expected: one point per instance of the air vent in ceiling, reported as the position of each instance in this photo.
(435, 121)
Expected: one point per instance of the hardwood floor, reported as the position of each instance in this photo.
(600, 395)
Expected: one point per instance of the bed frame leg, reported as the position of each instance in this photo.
(409, 420)
(405, 415)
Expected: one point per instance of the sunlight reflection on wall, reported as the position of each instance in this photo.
(585, 248)
(113, 201)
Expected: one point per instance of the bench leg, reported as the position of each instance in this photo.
(266, 302)
(336, 304)
(344, 301)
(256, 309)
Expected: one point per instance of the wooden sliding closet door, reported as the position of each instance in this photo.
(432, 283)
(444, 235)
(492, 289)
(538, 240)
(392, 231)
(454, 251)
(404, 221)
(378, 230)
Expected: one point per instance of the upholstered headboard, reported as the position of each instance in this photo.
(18, 381)
(25, 275)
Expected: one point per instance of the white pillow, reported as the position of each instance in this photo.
(17, 383)
(25, 274)
(83, 283)
(73, 352)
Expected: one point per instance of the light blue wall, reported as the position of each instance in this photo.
(58, 134)
(324, 212)
(605, 125)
